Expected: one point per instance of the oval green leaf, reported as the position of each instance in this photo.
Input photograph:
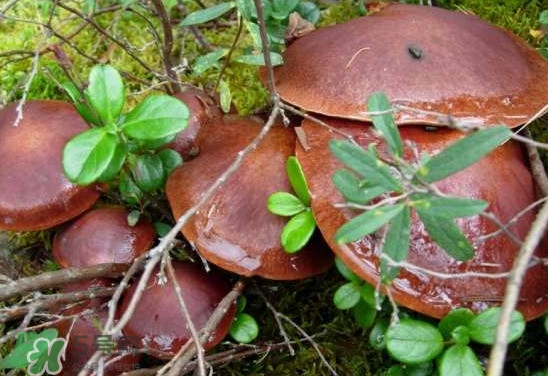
(284, 204)
(377, 336)
(170, 159)
(298, 231)
(455, 318)
(484, 326)
(149, 173)
(459, 360)
(105, 92)
(346, 272)
(80, 104)
(347, 296)
(115, 165)
(129, 191)
(384, 123)
(412, 341)
(244, 328)
(88, 155)
(352, 188)
(156, 117)
(297, 179)
(364, 314)
(207, 14)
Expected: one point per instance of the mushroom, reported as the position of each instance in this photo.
(234, 230)
(502, 178)
(102, 236)
(427, 58)
(202, 110)
(34, 192)
(158, 323)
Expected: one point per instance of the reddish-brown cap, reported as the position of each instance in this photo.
(202, 110)
(102, 236)
(158, 323)
(502, 179)
(83, 340)
(423, 57)
(234, 230)
(34, 192)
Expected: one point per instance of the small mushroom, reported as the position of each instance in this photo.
(502, 178)
(34, 192)
(202, 110)
(428, 58)
(102, 236)
(158, 323)
(234, 230)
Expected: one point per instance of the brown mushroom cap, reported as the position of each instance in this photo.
(158, 322)
(235, 230)
(102, 236)
(502, 179)
(202, 109)
(34, 192)
(423, 57)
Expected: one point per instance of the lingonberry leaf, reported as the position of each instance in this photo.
(455, 318)
(483, 327)
(459, 360)
(298, 231)
(347, 296)
(105, 92)
(149, 172)
(297, 179)
(244, 328)
(413, 341)
(284, 204)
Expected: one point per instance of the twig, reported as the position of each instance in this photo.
(537, 168)
(266, 51)
(60, 277)
(232, 48)
(511, 295)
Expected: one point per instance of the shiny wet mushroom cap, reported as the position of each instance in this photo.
(234, 230)
(423, 57)
(34, 192)
(158, 323)
(502, 178)
(102, 236)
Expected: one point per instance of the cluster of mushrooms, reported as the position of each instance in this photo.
(429, 60)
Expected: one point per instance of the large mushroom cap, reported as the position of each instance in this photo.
(235, 230)
(502, 178)
(158, 323)
(34, 192)
(423, 57)
(102, 236)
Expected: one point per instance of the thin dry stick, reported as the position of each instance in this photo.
(511, 295)
(537, 167)
(266, 52)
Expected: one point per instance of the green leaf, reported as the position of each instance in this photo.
(115, 164)
(421, 369)
(377, 336)
(461, 335)
(209, 60)
(297, 179)
(80, 103)
(347, 296)
(169, 4)
(309, 11)
(156, 117)
(88, 155)
(543, 18)
(364, 314)
(459, 360)
(384, 123)
(298, 231)
(353, 190)
(284, 204)
(244, 328)
(455, 318)
(207, 14)
(367, 223)
(133, 217)
(170, 159)
(105, 92)
(129, 191)
(255, 33)
(365, 163)
(241, 303)
(281, 9)
(463, 153)
(445, 233)
(452, 207)
(18, 356)
(397, 243)
(247, 9)
(484, 326)
(412, 341)
(546, 323)
(225, 96)
(396, 370)
(161, 228)
(258, 59)
(367, 293)
(346, 272)
(149, 173)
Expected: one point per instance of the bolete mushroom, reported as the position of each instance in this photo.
(158, 323)
(428, 58)
(102, 236)
(234, 230)
(502, 178)
(34, 192)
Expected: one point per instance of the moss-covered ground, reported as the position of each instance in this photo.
(309, 302)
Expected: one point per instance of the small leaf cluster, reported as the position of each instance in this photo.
(356, 295)
(300, 227)
(123, 146)
(24, 344)
(416, 343)
(244, 328)
(388, 188)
